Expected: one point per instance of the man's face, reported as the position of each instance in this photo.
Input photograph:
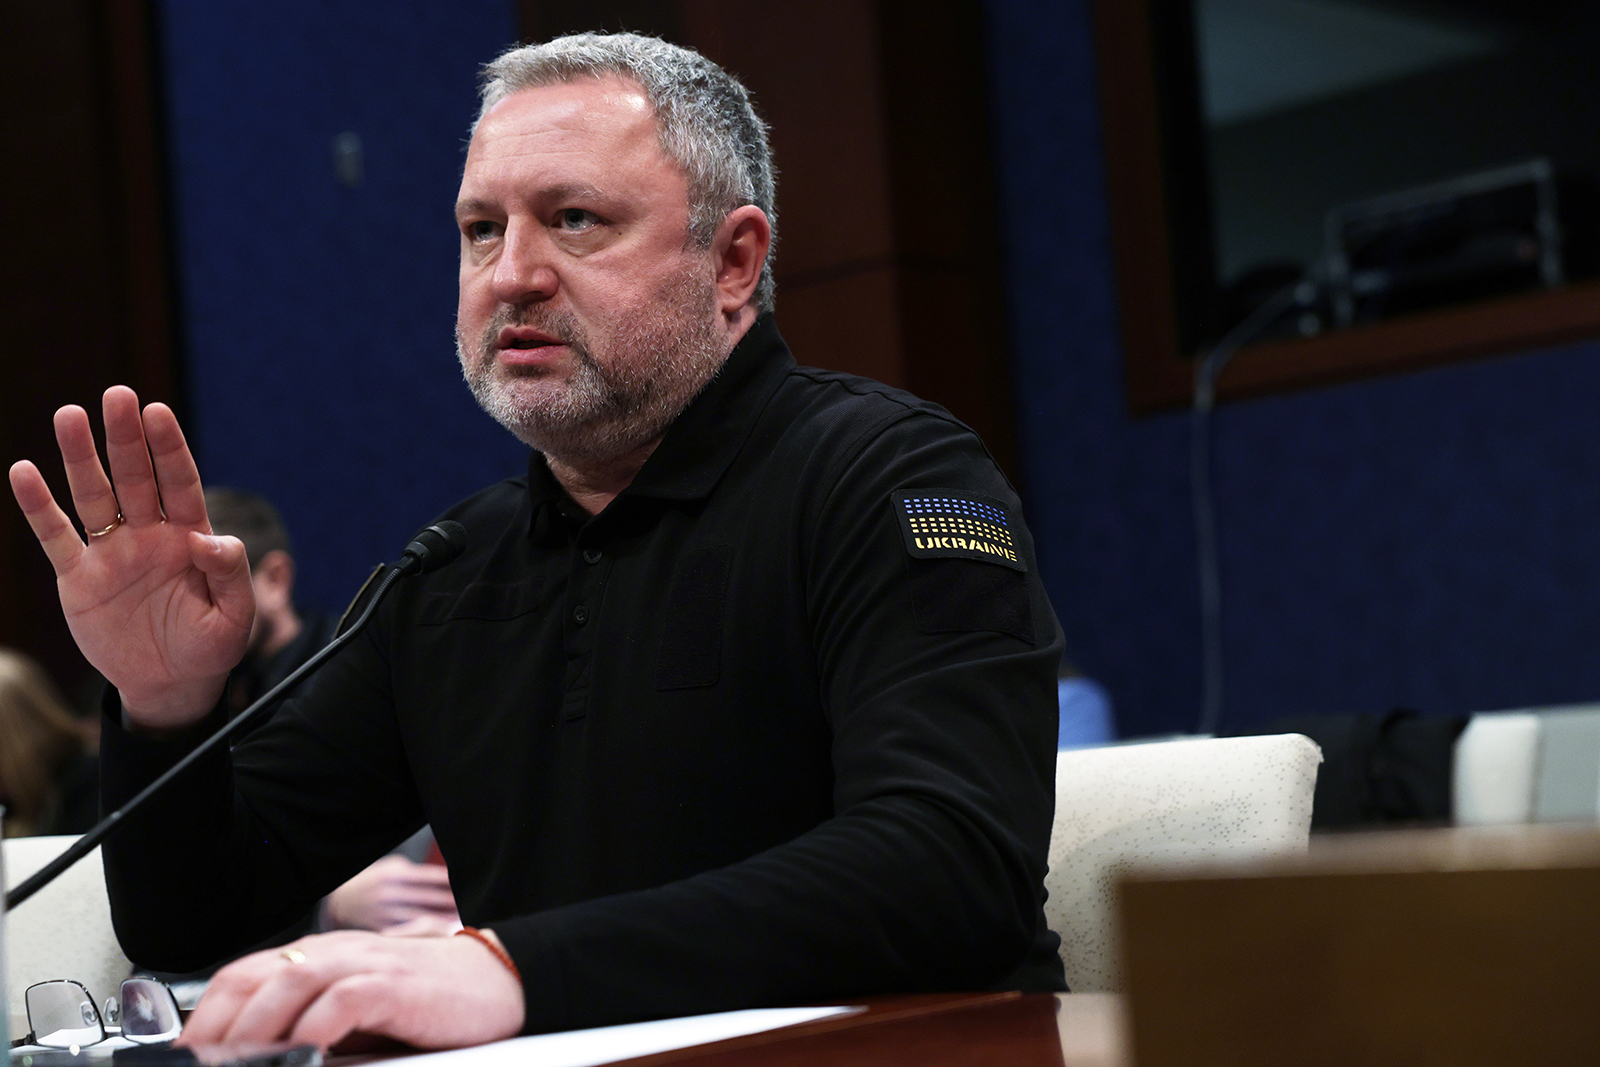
(587, 318)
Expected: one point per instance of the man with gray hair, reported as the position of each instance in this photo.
(744, 695)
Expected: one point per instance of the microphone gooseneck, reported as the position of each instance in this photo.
(438, 545)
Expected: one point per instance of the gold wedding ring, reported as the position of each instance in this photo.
(293, 955)
(101, 533)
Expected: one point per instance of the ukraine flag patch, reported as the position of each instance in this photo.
(955, 524)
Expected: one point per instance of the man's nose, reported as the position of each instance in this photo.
(525, 269)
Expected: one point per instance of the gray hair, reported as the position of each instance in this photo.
(706, 122)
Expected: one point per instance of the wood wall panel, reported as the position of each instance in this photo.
(83, 267)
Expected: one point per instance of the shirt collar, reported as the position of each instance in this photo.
(702, 441)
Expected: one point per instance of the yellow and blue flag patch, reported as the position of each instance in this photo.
(953, 523)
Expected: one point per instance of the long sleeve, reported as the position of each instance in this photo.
(746, 737)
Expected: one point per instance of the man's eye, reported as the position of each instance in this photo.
(481, 231)
(575, 218)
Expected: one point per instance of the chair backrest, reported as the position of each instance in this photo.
(1496, 771)
(63, 930)
(1130, 805)
(1569, 765)
(1532, 765)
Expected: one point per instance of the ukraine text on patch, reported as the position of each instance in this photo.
(953, 523)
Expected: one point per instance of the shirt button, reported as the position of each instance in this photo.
(591, 555)
(580, 614)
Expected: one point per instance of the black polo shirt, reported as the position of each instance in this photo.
(777, 726)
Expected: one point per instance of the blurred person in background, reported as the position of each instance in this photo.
(49, 771)
(281, 637)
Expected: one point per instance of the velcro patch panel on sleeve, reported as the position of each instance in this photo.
(953, 523)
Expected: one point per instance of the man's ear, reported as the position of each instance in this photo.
(740, 252)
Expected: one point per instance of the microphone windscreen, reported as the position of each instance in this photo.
(434, 547)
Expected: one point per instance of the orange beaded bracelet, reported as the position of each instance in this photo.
(489, 943)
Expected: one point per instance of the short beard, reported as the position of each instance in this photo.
(657, 364)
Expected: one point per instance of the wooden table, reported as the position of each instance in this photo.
(943, 1030)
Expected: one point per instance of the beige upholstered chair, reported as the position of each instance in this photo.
(1130, 805)
(1534, 765)
(1496, 769)
(63, 930)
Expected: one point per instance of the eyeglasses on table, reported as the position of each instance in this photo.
(62, 1014)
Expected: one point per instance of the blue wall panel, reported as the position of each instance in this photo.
(318, 319)
(1424, 540)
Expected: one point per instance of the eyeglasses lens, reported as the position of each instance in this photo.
(63, 1015)
(149, 1011)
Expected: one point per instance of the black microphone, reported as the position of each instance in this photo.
(438, 545)
(434, 547)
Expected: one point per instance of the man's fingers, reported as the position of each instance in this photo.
(415, 889)
(430, 925)
(57, 536)
(359, 1002)
(226, 565)
(182, 496)
(276, 1004)
(220, 1003)
(430, 898)
(287, 993)
(424, 874)
(221, 556)
(256, 997)
(410, 905)
(152, 473)
(433, 898)
(128, 454)
(92, 497)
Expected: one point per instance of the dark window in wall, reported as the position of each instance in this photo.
(1424, 169)
(889, 261)
(87, 296)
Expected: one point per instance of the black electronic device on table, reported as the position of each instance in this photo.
(224, 1054)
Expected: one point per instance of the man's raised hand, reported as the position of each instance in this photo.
(157, 604)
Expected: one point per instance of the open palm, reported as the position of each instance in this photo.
(156, 603)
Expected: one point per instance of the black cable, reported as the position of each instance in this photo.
(1208, 564)
(86, 844)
